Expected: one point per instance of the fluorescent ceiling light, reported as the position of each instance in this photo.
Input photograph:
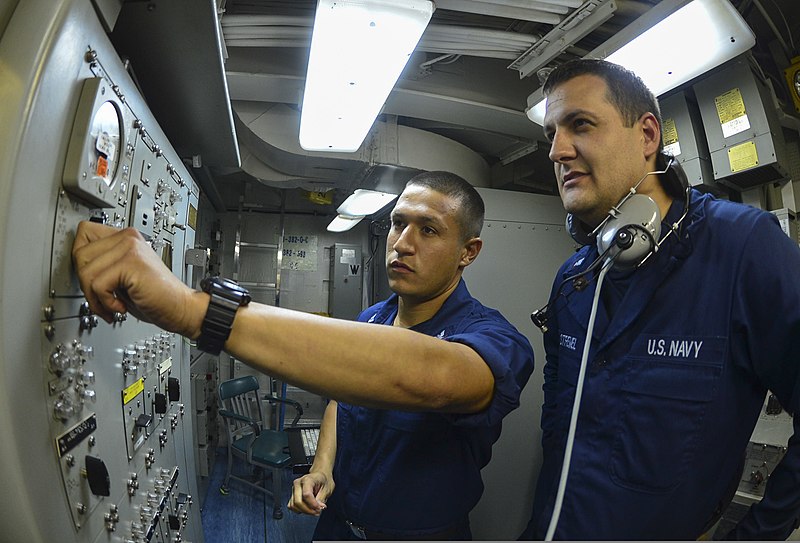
(358, 50)
(689, 40)
(365, 202)
(342, 223)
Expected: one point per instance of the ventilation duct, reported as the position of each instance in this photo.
(389, 156)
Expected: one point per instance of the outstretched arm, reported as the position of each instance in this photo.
(349, 361)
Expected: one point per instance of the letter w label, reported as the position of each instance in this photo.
(354, 269)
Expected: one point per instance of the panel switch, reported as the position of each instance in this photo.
(174, 389)
(143, 420)
(161, 403)
(97, 474)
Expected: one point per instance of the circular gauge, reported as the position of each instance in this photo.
(797, 83)
(105, 131)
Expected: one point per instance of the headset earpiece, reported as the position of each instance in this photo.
(579, 230)
(674, 180)
(633, 230)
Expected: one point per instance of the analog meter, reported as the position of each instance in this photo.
(95, 147)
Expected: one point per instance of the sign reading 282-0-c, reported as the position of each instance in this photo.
(299, 253)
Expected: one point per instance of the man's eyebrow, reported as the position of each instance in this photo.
(421, 219)
(549, 128)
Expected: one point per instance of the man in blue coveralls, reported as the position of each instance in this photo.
(684, 348)
(416, 474)
(454, 367)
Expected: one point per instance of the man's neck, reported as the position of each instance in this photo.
(656, 191)
(411, 312)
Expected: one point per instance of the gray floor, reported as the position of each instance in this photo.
(244, 515)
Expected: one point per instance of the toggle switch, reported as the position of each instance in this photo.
(143, 420)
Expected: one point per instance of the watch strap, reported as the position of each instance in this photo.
(221, 312)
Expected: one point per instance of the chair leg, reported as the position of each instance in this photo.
(224, 488)
(277, 481)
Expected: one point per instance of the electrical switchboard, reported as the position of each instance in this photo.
(97, 417)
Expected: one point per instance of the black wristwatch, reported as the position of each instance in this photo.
(226, 298)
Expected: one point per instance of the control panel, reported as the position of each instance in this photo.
(97, 416)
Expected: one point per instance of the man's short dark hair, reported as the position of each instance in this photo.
(471, 210)
(626, 90)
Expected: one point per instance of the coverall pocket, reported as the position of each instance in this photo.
(412, 443)
(665, 402)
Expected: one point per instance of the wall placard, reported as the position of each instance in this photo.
(299, 253)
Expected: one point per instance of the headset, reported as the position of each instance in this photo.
(629, 234)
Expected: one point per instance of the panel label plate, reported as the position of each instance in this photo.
(72, 437)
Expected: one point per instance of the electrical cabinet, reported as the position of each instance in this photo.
(346, 285)
(740, 120)
(683, 137)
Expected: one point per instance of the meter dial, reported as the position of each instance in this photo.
(797, 82)
(105, 131)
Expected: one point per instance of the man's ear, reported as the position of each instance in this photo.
(470, 251)
(651, 134)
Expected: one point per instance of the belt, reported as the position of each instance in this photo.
(372, 535)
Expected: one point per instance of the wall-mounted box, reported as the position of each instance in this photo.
(745, 137)
(683, 137)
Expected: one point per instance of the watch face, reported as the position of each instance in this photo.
(231, 285)
(208, 283)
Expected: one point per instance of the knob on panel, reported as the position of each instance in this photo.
(97, 474)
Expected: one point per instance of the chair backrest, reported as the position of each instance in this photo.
(240, 396)
(234, 387)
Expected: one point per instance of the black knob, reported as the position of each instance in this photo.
(623, 239)
(161, 403)
(174, 389)
(97, 474)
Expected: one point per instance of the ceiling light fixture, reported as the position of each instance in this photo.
(358, 50)
(365, 202)
(343, 223)
(688, 38)
(358, 205)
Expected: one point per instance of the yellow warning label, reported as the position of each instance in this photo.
(730, 106)
(132, 391)
(670, 132)
(192, 217)
(319, 197)
(743, 156)
(731, 112)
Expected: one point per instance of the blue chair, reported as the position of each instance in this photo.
(250, 439)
